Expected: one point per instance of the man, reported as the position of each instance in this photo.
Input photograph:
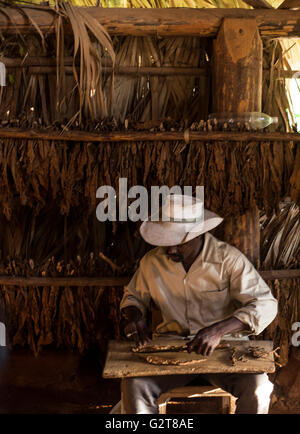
(204, 288)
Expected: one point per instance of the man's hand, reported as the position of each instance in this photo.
(205, 341)
(135, 327)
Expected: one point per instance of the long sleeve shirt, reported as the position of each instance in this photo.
(220, 283)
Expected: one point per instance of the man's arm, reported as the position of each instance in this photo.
(255, 304)
(207, 339)
(256, 307)
(134, 325)
(134, 305)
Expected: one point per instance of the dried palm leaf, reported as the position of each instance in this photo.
(89, 82)
(280, 239)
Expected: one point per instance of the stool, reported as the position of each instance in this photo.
(227, 404)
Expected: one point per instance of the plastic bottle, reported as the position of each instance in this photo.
(256, 120)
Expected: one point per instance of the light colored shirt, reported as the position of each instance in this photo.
(220, 283)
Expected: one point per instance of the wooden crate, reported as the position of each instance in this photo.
(211, 399)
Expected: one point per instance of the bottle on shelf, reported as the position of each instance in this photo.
(256, 120)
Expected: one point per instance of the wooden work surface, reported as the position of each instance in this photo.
(121, 362)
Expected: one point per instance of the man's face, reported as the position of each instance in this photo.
(175, 253)
(181, 252)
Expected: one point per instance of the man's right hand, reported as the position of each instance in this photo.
(135, 327)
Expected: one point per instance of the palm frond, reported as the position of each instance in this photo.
(280, 238)
(90, 42)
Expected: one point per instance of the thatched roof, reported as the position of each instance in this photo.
(77, 95)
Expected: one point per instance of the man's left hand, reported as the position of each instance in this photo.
(205, 341)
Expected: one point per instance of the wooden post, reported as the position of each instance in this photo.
(237, 87)
(237, 67)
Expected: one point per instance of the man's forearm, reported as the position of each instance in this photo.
(230, 325)
(208, 338)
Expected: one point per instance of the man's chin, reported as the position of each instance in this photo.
(175, 258)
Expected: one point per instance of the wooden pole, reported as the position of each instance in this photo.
(64, 281)
(114, 281)
(156, 22)
(147, 136)
(126, 70)
(46, 65)
(237, 87)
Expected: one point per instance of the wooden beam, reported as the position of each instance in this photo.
(47, 65)
(280, 274)
(158, 22)
(126, 70)
(63, 281)
(147, 136)
(237, 88)
(114, 281)
(136, 71)
(118, 136)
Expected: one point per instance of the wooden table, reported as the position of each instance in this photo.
(121, 362)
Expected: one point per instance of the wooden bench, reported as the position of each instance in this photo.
(225, 404)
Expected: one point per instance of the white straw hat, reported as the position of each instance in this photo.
(182, 219)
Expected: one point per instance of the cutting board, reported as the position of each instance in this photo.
(121, 362)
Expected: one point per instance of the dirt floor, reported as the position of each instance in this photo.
(56, 382)
(59, 382)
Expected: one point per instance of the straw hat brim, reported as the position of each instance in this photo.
(168, 233)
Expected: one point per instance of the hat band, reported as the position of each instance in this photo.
(174, 220)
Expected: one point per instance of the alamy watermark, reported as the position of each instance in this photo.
(139, 204)
(296, 336)
(2, 335)
(2, 74)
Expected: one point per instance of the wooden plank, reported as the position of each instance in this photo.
(114, 281)
(159, 22)
(279, 274)
(63, 281)
(147, 136)
(121, 362)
